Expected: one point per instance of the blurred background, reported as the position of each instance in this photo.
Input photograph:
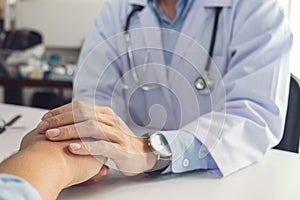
(40, 42)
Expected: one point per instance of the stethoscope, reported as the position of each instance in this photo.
(203, 84)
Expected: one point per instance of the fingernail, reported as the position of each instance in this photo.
(75, 146)
(103, 171)
(53, 133)
(43, 126)
(47, 115)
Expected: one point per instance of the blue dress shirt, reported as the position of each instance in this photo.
(170, 31)
(13, 187)
(170, 28)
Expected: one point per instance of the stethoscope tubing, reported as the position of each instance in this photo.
(213, 39)
(206, 82)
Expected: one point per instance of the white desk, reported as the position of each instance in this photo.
(11, 138)
(276, 177)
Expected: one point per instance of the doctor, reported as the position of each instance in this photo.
(149, 71)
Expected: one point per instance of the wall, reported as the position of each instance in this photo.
(64, 23)
(75, 17)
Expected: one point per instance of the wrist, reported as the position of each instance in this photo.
(151, 158)
(39, 166)
(54, 165)
(49, 166)
(161, 150)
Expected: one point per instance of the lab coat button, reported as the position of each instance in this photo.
(186, 163)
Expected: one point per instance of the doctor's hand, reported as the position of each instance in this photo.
(111, 136)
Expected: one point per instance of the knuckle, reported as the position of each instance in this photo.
(54, 121)
(115, 120)
(78, 104)
(92, 124)
(108, 110)
(102, 133)
(64, 133)
(61, 118)
(51, 112)
(119, 120)
(94, 148)
(68, 132)
(82, 114)
(121, 138)
(101, 128)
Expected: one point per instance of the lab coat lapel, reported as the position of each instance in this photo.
(217, 3)
(190, 31)
(152, 36)
(189, 47)
(138, 2)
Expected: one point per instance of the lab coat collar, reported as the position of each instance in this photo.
(138, 2)
(149, 20)
(217, 3)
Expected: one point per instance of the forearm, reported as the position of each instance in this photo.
(42, 169)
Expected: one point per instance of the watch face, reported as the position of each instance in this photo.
(160, 145)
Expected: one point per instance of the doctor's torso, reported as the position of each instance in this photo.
(175, 102)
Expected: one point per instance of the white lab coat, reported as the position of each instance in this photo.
(244, 115)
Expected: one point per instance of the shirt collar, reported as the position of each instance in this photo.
(155, 1)
(180, 6)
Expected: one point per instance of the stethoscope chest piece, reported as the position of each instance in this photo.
(204, 84)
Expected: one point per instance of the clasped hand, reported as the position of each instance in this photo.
(102, 133)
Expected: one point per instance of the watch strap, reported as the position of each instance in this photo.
(158, 168)
(162, 163)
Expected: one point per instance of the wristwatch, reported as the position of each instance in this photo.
(159, 145)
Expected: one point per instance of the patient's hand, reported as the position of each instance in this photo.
(49, 166)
